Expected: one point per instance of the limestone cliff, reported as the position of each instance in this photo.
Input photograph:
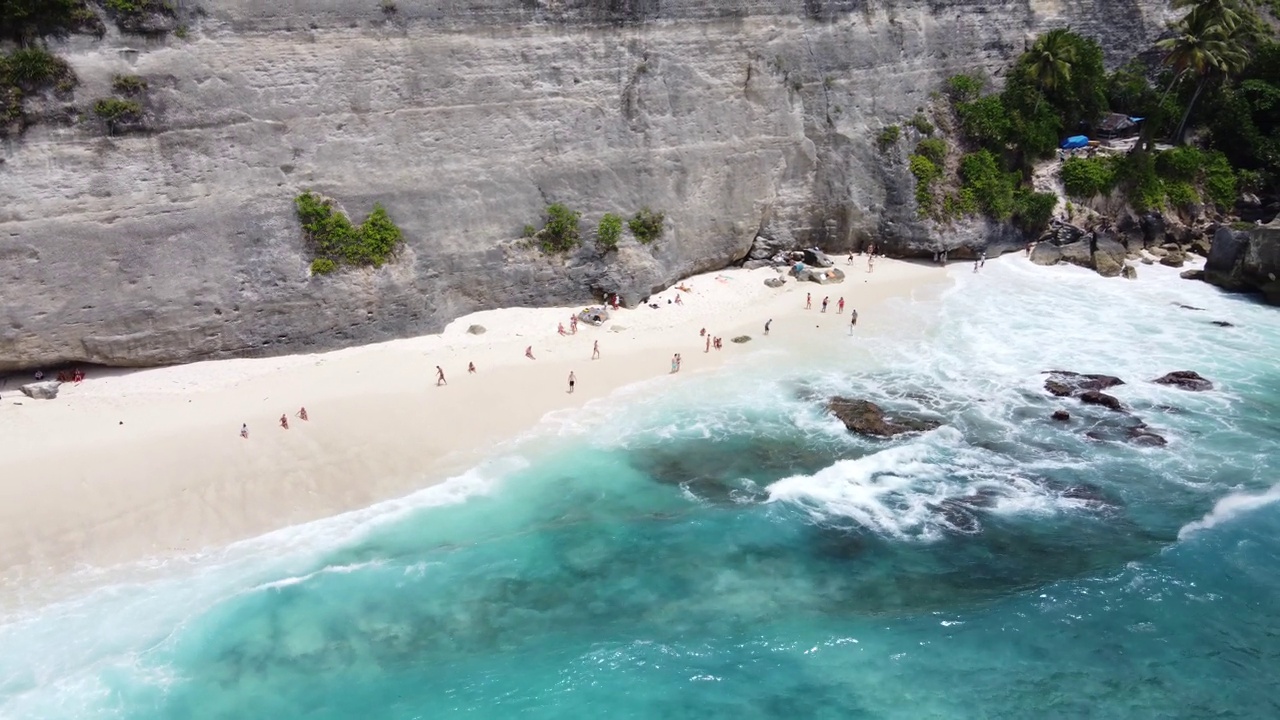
(465, 118)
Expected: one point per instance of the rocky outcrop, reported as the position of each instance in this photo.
(1096, 250)
(735, 118)
(867, 418)
(1065, 382)
(1185, 379)
(1246, 260)
(46, 390)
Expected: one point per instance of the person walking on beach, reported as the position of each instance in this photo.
(674, 365)
(840, 307)
(982, 262)
(302, 414)
(871, 263)
(975, 267)
(853, 319)
(679, 362)
(573, 324)
(572, 379)
(471, 368)
(244, 431)
(850, 258)
(825, 300)
(528, 352)
(767, 323)
(440, 377)
(708, 344)
(284, 421)
(595, 350)
(808, 300)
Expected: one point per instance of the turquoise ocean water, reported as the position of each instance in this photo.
(718, 547)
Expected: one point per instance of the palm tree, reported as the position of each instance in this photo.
(1050, 59)
(1208, 42)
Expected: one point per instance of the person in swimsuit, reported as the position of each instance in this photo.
(284, 421)
(572, 380)
(440, 377)
(244, 431)
(595, 350)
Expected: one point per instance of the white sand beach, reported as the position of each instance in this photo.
(130, 465)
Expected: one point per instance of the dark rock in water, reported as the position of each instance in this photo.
(1174, 259)
(1189, 307)
(1077, 253)
(1046, 254)
(1079, 381)
(1191, 274)
(1108, 255)
(1090, 494)
(981, 498)
(1246, 260)
(1057, 388)
(1185, 379)
(867, 418)
(1097, 397)
(1140, 434)
(1222, 323)
(957, 516)
(1061, 415)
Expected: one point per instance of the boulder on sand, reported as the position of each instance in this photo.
(46, 390)
(1045, 254)
(776, 281)
(476, 330)
(817, 258)
(867, 418)
(1185, 379)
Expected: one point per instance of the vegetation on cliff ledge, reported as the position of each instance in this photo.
(336, 242)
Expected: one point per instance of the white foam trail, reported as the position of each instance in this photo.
(1229, 508)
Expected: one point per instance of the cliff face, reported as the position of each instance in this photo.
(465, 119)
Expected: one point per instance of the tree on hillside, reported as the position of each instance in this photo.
(1209, 43)
(1049, 60)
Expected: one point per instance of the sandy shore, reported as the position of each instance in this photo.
(131, 465)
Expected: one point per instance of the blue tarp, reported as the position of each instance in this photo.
(1136, 120)
(1075, 141)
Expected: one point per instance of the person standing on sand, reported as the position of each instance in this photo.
(302, 414)
(767, 323)
(679, 362)
(528, 352)
(708, 344)
(982, 262)
(440, 376)
(808, 300)
(840, 307)
(595, 351)
(471, 368)
(853, 319)
(572, 379)
(825, 300)
(871, 263)
(284, 421)
(244, 431)
(674, 366)
(975, 267)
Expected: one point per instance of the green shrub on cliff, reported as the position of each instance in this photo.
(1085, 177)
(925, 172)
(323, 266)
(335, 239)
(1033, 210)
(964, 88)
(647, 225)
(888, 136)
(933, 148)
(560, 231)
(992, 187)
(128, 84)
(608, 232)
(25, 21)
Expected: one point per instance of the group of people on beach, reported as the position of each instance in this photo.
(808, 303)
(871, 257)
(284, 422)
